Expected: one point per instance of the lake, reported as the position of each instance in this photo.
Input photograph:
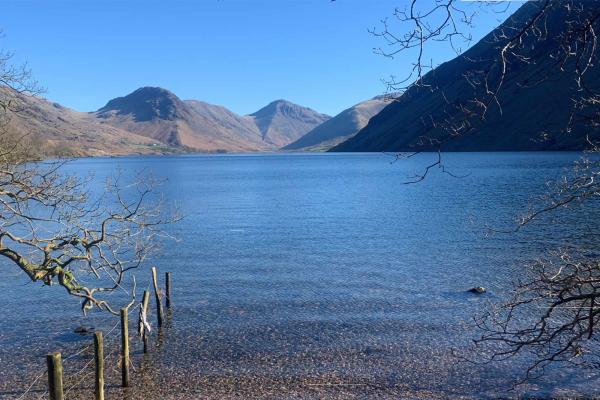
(316, 276)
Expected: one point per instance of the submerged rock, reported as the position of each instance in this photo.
(84, 330)
(478, 290)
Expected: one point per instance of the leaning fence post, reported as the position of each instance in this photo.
(143, 330)
(124, 347)
(168, 284)
(55, 376)
(159, 311)
(99, 362)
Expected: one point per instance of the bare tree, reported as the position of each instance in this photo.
(554, 312)
(55, 228)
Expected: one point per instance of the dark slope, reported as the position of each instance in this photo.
(527, 108)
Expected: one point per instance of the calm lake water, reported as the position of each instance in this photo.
(318, 276)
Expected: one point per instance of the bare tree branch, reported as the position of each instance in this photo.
(54, 228)
(553, 313)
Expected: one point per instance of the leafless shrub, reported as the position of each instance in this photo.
(54, 228)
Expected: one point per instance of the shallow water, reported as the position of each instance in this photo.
(316, 276)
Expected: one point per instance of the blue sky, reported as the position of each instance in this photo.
(238, 53)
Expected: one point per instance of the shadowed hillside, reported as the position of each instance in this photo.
(536, 96)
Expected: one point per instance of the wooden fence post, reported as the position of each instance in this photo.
(145, 301)
(99, 362)
(55, 376)
(168, 284)
(159, 311)
(124, 347)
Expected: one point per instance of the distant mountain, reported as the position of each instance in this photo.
(159, 114)
(281, 122)
(54, 130)
(341, 127)
(529, 102)
(154, 120)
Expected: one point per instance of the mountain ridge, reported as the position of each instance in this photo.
(153, 120)
(159, 114)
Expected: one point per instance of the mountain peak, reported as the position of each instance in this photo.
(280, 101)
(153, 90)
(282, 106)
(282, 122)
(145, 104)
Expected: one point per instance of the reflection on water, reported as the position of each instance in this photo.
(319, 276)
